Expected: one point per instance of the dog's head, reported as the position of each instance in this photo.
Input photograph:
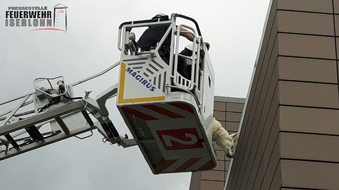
(228, 144)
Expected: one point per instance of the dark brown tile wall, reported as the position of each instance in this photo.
(309, 120)
(303, 23)
(290, 128)
(309, 174)
(324, 71)
(319, 6)
(303, 146)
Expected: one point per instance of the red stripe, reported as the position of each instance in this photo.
(187, 164)
(163, 111)
(208, 166)
(183, 106)
(164, 165)
(138, 113)
(49, 29)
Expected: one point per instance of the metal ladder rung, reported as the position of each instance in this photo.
(12, 141)
(62, 125)
(34, 133)
(88, 119)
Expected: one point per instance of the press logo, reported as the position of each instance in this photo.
(38, 17)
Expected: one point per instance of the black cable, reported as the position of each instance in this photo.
(71, 98)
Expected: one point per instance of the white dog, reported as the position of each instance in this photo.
(223, 139)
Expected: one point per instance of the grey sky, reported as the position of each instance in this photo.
(233, 28)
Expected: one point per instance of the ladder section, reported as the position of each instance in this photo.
(20, 132)
(52, 113)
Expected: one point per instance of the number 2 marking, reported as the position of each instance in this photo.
(168, 139)
(177, 139)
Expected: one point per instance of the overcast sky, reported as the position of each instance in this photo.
(233, 28)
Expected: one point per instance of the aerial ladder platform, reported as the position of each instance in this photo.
(167, 114)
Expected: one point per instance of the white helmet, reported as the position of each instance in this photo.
(189, 46)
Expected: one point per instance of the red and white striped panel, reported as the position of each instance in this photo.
(179, 135)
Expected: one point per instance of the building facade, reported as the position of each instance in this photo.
(289, 133)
